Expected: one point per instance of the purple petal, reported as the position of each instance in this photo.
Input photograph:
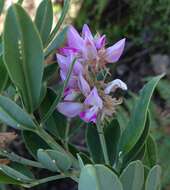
(86, 32)
(72, 83)
(78, 68)
(112, 86)
(74, 39)
(100, 42)
(83, 86)
(70, 109)
(90, 51)
(94, 99)
(114, 52)
(67, 51)
(71, 94)
(62, 62)
(90, 115)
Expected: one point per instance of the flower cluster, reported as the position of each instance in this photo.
(87, 93)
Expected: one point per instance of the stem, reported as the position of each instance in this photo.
(15, 158)
(45, 180)
(72, 175)
(49, 140)
(67, 134)
(103, 143)
(59, 97)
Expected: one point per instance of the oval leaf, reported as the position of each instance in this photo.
(14, 116)
(33, 142)
(56, 42)
(137, 122)
(23, 55)
(93, 143)
(138, 151)
(132, 177)
(98, 177)
(4, 79)
(44, 19)
(1, 5)
(153, 181)
(15, 174)
(150, 157)
(54, 160)
(112, 135)
(5, 179)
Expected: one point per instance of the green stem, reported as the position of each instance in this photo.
(67, 134)
(49, 140)
(59, 97)
(103, 143)
(45, 180)
(15, 158)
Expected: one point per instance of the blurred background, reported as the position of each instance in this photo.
(146, 26)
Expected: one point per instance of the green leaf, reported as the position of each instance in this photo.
(54, 160)
(16, 175)
(14, 116)
(33, 142)
(44, 19)
(150, 157)
(136, 125)
(132, 177)
(138, 151)
(23, 55)
(60, 94)
(85, 158)
(61, 19)
(23, 169)
(4, 79)
(5, 179)
(49, 71)
(56, 123)
(93, 143)
(112, 135)
(81, 163)
(57, 42)
(20, 2)
(98, 177)
(122, 117)
(153, 181)
(1, 5)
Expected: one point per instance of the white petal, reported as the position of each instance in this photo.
(112, 86)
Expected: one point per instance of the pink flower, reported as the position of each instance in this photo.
(70, 109)
(90, 46)
(85, 96)
(64, 63)
(94, 104)
(114, 52)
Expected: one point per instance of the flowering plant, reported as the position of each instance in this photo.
(49, 115)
